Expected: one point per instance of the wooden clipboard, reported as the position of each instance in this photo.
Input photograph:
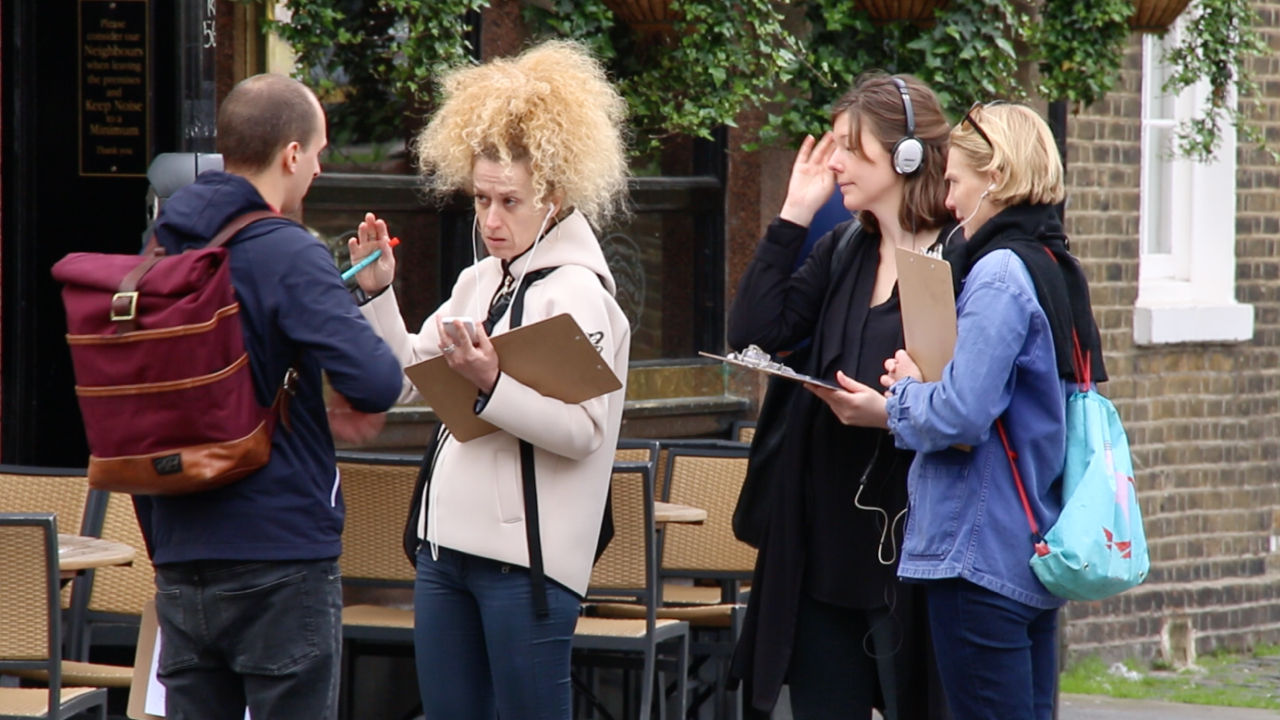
(928, 301)
(553, 356)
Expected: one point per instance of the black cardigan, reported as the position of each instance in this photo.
(775, 309)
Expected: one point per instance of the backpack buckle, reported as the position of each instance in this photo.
(124, 306)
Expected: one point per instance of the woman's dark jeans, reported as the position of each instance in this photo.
(997, 657)
(481, 652)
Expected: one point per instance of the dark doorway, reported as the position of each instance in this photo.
(59, 197)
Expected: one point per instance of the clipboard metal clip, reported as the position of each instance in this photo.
(753, 356)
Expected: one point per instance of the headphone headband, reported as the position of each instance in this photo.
(906, 105)
(908, 152)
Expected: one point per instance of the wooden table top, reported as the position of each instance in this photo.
(664, 512)
(77, 552)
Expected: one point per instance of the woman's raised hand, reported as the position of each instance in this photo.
(373, 235)
(812, 181)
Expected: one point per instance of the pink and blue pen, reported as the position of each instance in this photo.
(366, 261)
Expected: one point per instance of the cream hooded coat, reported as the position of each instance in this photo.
(474, 503)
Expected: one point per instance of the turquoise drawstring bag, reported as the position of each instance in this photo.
(1097, 548)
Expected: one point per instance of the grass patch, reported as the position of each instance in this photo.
(1223, 679)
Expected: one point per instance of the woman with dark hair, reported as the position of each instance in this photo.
(827, 614)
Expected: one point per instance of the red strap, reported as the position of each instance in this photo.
(1083, 362)
(1036, 539)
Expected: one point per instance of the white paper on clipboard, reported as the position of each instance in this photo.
(928, 301)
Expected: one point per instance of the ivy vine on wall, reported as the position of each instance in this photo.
(375, 62)
(1215, 45)
(718, 58)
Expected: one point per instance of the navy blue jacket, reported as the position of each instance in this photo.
(294, 310)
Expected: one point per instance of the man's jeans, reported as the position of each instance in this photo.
(265, 634)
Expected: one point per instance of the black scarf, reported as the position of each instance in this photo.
(1034, 233)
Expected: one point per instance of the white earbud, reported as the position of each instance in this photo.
(976, 205)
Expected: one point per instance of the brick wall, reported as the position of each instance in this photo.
(1203, 419)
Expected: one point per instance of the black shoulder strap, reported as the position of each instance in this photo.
(533, 535)
(428, 467)
(843, 251)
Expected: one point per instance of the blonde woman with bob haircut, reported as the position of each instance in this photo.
(537, 141)
(1021, 297)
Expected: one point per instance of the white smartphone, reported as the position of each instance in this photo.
(467, 323)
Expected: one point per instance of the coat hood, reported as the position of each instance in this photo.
(570, 242)
(197, 212)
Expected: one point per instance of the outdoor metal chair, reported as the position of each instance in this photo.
(61, 491)
(707, 476)
(30, 624)
(743, 431)
(377, 489)
(106, 606)
(628, 570)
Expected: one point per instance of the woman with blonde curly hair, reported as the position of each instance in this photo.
(503, 528)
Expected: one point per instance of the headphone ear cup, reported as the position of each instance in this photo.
(908, 155)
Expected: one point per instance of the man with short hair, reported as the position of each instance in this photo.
(248, 592)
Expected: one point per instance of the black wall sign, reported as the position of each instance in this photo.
(115, 83)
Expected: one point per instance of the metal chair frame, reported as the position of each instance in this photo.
(369, 629)
(59, 705)
(113, 623)
(612, 649)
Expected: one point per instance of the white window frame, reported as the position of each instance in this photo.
(1188, 293)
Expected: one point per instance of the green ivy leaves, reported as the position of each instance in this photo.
(1214, 45)
(718, 59)
(381, 58)
(1080, 45)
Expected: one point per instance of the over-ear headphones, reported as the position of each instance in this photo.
(908, 152)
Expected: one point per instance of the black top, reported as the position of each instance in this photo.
(776, 308)
(845, 544)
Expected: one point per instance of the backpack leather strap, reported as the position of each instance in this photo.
(124, 304)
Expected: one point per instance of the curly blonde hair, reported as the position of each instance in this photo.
(552, 107)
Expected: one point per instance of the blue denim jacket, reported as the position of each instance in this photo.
(965, 518)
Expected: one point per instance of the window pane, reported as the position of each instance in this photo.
(1157, 190)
